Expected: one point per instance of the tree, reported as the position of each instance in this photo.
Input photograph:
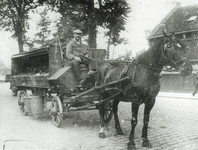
(127, 57)
(77, 14)
(115, 42)
(82, 14)
(45, 28)
(115, 9)
(43, 25)
(45, 31)
(14, 15)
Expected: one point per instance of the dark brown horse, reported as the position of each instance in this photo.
(143, 84)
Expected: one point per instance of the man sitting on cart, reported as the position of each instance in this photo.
(75, 49)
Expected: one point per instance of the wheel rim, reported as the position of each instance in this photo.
(56, 111)
(22, 107)
(108, 112)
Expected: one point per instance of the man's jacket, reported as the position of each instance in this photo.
(75, 48)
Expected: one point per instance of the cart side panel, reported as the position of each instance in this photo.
(64, 77)
(30, 69)
(31, 80)
(31, 62)
(69, 79)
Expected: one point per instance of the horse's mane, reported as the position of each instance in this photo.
(151, 53)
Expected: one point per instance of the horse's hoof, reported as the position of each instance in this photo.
(146, 144)
(102, 135)
(131, 147)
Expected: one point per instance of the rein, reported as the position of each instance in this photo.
(169, 58)
(145, 66)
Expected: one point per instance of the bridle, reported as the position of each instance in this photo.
(167, 49)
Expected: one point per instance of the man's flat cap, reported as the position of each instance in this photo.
(77, 32)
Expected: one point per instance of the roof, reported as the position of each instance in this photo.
(179, 20)
(31, 53)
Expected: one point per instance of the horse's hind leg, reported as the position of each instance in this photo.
(135, 108)
(115, 112)
(102, 123)
(148, 106)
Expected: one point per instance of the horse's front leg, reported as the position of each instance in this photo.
(134, 120)
(117, 122)
(148, 106)
(102, 123)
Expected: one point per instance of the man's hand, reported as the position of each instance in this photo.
(78, 58)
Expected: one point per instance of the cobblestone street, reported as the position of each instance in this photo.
(173, 126)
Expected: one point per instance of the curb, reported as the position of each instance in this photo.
(178, 95)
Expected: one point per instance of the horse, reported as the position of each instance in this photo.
(142, 84)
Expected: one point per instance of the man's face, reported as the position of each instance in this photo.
(77, 36)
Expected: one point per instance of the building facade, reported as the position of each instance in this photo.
(183, 21)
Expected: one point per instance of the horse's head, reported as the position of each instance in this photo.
(174, 52)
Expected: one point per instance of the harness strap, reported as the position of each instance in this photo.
(133, 83)
(133, 77)
(124, 71)
(145, 66)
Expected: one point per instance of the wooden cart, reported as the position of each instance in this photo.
(49, 77)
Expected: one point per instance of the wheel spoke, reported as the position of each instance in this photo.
(107, 111)
(22, 106)
(56, 107)
(55, 118)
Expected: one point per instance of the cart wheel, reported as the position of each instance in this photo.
(56, 111)
(22, 107)
(108, 111)
(14, 91)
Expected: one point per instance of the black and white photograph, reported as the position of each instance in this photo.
(99, 75)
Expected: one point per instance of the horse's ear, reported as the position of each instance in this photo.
(165, 35)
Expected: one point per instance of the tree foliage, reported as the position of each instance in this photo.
(115, 15)
(82, 14)
(14, 15)
(45, 27)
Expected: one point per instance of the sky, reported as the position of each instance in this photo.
(145, 15)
